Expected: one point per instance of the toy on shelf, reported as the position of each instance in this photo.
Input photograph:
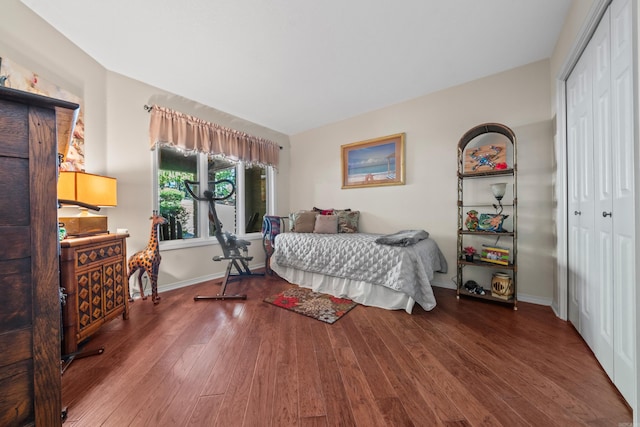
(472, 220)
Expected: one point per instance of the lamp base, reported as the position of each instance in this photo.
(80, 226)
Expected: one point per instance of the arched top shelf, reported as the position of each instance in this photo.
(486, 128)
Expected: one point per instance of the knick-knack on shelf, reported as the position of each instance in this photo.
(472, 220)
(469, 252)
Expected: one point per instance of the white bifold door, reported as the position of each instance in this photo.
(600, 153)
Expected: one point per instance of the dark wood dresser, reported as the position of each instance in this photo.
(30, 381)
(93, 273)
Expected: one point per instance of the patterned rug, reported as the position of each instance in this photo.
(313, 304)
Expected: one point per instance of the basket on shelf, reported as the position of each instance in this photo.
(501, 286)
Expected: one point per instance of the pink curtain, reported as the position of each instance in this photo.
(191, 133)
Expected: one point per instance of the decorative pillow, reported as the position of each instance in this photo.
(304, 222)
(348, 221)
(323, 211)
(292, 219)
(328, 211)
(326, 224)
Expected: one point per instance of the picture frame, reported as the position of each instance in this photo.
(495, 255)
(374, 162)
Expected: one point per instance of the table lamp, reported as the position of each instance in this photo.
(87, 189)
(498, 192)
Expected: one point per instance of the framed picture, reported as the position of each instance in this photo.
(374, 162)
(495, 255)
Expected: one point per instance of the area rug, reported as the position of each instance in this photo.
(313, 304)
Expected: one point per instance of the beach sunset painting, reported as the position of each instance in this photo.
(374, 162)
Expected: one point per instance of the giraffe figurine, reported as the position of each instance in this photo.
(148, 260)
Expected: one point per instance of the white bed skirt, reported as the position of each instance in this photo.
(361, 292)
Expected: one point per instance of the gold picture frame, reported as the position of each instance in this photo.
(374, 162)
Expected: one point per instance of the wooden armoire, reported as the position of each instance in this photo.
(30, 379)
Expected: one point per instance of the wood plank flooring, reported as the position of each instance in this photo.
(248, 363)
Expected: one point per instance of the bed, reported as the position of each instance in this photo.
(353, 265)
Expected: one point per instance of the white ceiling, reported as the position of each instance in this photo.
(293, 65)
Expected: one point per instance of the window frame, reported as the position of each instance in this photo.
(203, 207)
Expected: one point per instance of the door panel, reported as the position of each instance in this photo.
(624, 327)
(603, 198)
(623, 220)
(575, 107)
(582, 310)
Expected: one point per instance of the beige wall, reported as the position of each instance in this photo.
(32, 43)
(130, 160)
(433, 125)
(578, 12)
(116, 134)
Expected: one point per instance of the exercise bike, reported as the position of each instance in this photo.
(234, 250)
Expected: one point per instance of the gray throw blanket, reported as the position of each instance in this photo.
(403, 238)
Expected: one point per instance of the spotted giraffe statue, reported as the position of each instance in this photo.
(148, 260)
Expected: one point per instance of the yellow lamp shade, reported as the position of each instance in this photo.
(87, 188)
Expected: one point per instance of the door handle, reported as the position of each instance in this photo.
(606, 214)
(577, 213)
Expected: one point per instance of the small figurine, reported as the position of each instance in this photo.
(472, 220)
(473, 288)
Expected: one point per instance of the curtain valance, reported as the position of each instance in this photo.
(190, 133)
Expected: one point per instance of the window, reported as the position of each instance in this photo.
(188, 218)
(255, 197)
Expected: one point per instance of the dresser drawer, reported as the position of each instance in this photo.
(85, 257)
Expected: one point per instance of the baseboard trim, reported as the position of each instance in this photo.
(521, 297)
(443, 284)
(439, 283)
(535, 299)
(133, 288)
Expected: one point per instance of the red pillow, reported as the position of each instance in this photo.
(323, 211)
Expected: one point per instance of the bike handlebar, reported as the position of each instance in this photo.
(208, 194)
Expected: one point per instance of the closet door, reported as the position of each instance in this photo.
(575, 105)
(580, 179)
(601, 217)
(623, 213)
(602, 270)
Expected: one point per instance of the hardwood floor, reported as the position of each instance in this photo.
(248, 363)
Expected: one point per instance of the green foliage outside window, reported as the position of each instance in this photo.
(170, 199)
(172, 193)
(221, 191)
(173, 179)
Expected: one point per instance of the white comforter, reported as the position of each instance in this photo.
(356, 256)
